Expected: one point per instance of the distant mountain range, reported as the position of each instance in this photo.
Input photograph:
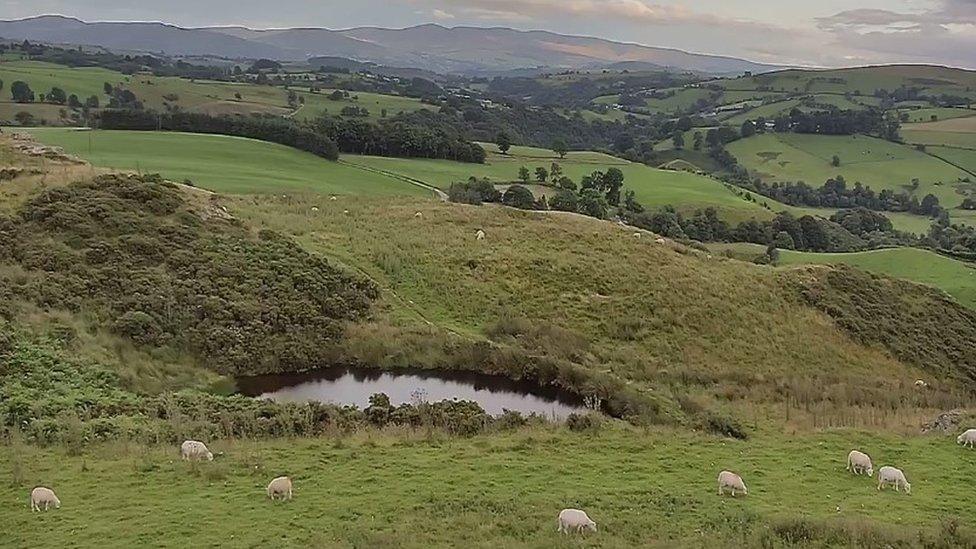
(462, 50)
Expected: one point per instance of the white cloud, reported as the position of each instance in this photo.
(442, 15)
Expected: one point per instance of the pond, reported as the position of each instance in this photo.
(354, 386)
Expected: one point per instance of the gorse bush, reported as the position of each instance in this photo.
(133, 255)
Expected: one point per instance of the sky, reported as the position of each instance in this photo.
(801, 32)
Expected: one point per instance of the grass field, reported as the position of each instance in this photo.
(862, 80)
(770, 110)
(874, 162)
(221, 163)
(503, 490)
(210, 97)
(682, 100)
(652, 187)
(955, 277)
(940, 113)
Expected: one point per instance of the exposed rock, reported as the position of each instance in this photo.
(947, 422)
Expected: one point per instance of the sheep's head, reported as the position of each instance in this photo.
(908, 487)
(209, 456)
(870, 471)
(591, 526)
(959, 439)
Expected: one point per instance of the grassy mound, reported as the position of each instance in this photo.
(136, 256)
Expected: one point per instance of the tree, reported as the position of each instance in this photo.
(108, 88)
(699, 140)
(835, 161)
(564, 201)
(518, 196)
(567, 184)
(92, 102)
(237, 95)
(559, 147)
(929, 205)
(541, 174)
(524, 175)
(678, 139)
(503, 142)
(748, 129)
(613, 181)
(57, 96)
(592, 203)
(24, 118)
(555, 172)
(21, 92)
(784, 241)
(74, 102)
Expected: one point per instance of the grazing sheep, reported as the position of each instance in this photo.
(333, 198)
(967, 439)
(859, 462)
(345, 212)
(194, 449)
(574, 519)
(637, 235)
(43, 496)
(894, 477)
(919, 383)
(661, 241)
(418, 215)
(480, 235)
(280, 487)
(732, 481)
(315, 208)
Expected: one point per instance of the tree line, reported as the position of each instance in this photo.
(836, 194)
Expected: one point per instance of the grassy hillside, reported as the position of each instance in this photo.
(652, 187)
(209, 97)
(954, 277)
(875, 162)
(402, 489)
(223, 164)
(861, 80)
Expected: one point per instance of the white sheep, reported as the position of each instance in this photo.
(315, 208)
(333, 198)
(661, 241)
(194, 449)
(418, 215)
(894, 477)
(480, 235)
(921, 384)
(574, 520)
(345, 212)
(43, 496)
(731, 481)
(280, 487)
(637, 235)
(859, 462)
(967, 439)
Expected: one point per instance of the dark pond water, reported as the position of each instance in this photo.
(354, 386)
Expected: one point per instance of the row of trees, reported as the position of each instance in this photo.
(836, 194)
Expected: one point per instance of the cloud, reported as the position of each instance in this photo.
(442, 15)
(945, 33)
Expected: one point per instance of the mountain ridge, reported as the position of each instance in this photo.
(461, 49)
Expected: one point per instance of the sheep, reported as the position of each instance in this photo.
(967, 439)
(661, 241)
(418, 215)
(480, 235)
(45, 496)
(333, 198)
(280, 487)
(895, 477)
(637, 235)
(732, 481)
(345, 212)
(921, 384)
(859, 462)
(194, 449)
(315, 208)
(574, 519)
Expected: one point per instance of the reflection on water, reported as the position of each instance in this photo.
(354, 386)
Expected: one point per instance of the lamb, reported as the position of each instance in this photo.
(43, 496)
(895, 477)
(280, 487)
(480, 235)
(574, 519)
(732, 481)
(637, 235)
(194, 449)
(921, 384)
(418, 215)
(859, 462)
(967, 439)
